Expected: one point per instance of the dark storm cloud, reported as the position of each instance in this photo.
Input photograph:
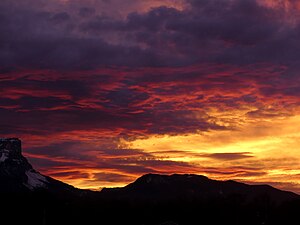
(32, 103)
(123, 97)
(59, 18)
(43, 163)
(228, 156)
(69, 120)
(65, 88)
(67, 102)
(131, 102)
(60, 150)
(86, 11)
(82, 150)
(180, 121)
(206, 31)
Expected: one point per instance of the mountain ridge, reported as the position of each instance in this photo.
(199, 186)
(152, 199)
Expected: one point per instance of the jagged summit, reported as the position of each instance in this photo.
(17, 174)
(10, 148)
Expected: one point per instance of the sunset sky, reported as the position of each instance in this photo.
(104, 91)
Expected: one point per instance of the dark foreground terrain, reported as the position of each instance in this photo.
(28, 197)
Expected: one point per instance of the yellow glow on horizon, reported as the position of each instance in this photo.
(272, 143)
(267, 152)
(92, 182)
(250, 136)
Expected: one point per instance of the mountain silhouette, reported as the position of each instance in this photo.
(29, 197)
(156, 186)
(18, 176)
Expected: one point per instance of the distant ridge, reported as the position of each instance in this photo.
(196, 186)
(28, 197)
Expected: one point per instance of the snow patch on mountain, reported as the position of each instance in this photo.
(4, 155)
(35, 180)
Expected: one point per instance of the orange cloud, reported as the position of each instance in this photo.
(223, 121)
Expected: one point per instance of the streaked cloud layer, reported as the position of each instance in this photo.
(104, 91)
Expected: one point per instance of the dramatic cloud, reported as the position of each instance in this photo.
(228, 156)
(104, 91)
(78, 35)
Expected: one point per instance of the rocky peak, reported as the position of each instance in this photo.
(15, 171)
(10, 148)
